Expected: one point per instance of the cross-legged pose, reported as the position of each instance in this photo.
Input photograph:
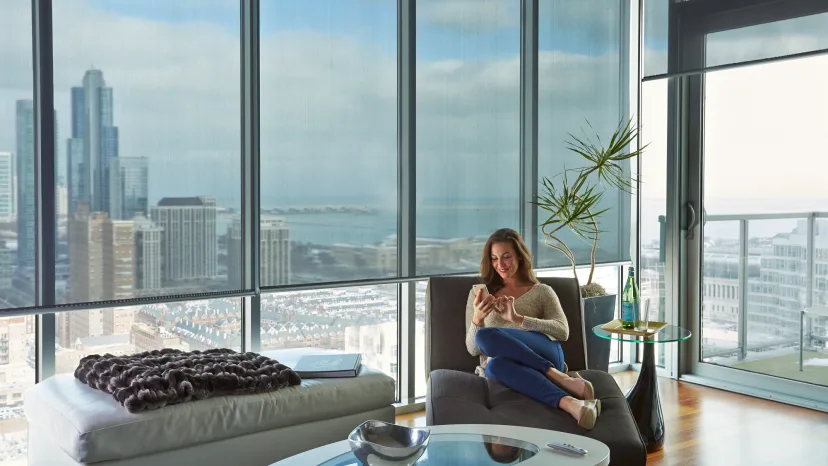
(515, 326)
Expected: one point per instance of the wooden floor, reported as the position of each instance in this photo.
(706, 426)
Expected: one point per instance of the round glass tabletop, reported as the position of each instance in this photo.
(461, 449)
(667, 334)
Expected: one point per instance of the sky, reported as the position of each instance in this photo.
(328, 89)
(763, 123)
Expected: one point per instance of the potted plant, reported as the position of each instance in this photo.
(572, 200)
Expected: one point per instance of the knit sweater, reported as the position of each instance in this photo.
(541, 311)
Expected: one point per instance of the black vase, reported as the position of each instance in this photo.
(598, 310)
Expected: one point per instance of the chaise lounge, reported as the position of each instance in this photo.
(71, 424)
(457, 396)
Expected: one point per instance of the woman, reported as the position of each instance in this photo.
(516, 331)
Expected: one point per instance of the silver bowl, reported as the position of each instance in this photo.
(377, 442)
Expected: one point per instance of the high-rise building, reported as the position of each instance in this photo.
(13, 342)
(7, 261)
(75, 186)
(118, 259)
(86, 255)
(118, 320)
(64, 327)
(85, 324)
(101, 257)
(148, 244)
(94, 143)
(26, 193)
(7, 203)
(189, 245)
(25, 165)
(274, 255)
(128, 187)
(62, 200)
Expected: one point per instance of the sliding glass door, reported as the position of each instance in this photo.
(752, 109)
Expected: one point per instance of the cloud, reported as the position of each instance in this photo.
(328, 104)
(470, 16)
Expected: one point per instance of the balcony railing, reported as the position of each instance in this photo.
(769, 267)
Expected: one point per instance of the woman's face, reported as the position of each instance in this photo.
(505, 260)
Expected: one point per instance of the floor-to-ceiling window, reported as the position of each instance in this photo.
(17, 230)
(151, 170)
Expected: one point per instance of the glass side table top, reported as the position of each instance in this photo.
(460, 450)
(667, 334)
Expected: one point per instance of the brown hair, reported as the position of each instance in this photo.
(487, 272)
(502, 455)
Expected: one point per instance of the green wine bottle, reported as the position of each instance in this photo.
(630, 301)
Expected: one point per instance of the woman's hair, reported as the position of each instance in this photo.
(489, 274)
(501, 453)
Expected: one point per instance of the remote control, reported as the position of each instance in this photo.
(567, 448)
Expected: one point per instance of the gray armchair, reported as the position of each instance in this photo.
(457, 396)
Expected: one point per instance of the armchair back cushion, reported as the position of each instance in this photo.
(445, 325)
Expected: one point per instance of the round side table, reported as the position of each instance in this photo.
(643, 398)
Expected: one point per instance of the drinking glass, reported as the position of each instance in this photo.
(642, 320)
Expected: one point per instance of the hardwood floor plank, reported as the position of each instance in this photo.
(706, 426)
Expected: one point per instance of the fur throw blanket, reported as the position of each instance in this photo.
(154, 379)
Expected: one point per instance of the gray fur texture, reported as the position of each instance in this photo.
(154, 379)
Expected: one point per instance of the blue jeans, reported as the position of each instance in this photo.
(519, 359)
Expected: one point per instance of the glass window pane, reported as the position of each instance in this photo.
(359, 319)
(579, 92)
(768, 40)
(329, 140)
(468, 129)
(186, 325)
(653, 192)
(17, 157)
(761, 273)
(606, 276)
(17, 374)
(148, 154)
(420, 371)
(656, 27)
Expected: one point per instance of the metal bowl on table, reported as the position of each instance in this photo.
(377, 442)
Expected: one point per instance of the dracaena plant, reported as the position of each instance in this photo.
(573, 197)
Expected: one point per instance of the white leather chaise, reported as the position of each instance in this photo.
(73, 424)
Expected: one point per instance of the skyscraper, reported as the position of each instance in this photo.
(190, 249)
(118, 259)
(101, 257)
(7, 261)
(25, 165)
(75, 184)
(148, 244)
(26, 194)
(94, 143)
(86, 255)
(7, 203)
(128, 189)
(274, 252)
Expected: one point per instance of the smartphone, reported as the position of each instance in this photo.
(481, 289)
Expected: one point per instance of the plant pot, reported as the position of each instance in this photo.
(598, 310)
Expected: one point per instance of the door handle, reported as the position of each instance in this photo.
(692, 223)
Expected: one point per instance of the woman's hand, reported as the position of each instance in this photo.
(482, 308)
(505, 306)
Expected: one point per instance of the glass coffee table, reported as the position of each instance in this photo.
(643, 398)
(474, 445)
